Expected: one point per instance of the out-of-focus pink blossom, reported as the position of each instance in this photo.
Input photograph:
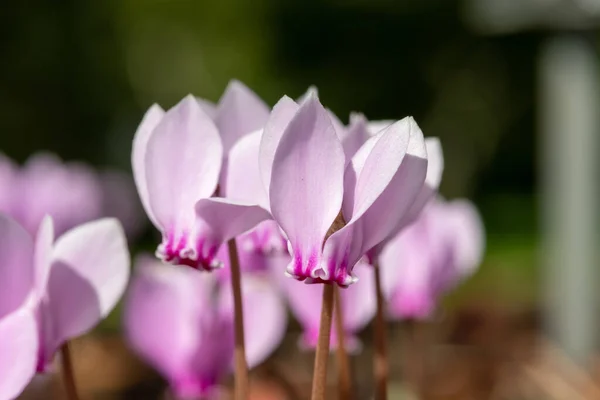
(181, 322)
(430, 257)
(59, 289)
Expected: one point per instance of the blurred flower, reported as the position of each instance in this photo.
(79, 279)
(358, 301)
(302, 163)
(180, 161)
(55, 291)
(71, 192)
(181, 322)
(430, 257)
(18, 329)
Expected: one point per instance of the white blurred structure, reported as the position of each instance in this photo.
(569, 110)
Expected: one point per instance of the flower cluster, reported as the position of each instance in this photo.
(290, 192)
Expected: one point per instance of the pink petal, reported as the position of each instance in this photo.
(359, 302)
(265, 316)
(18, 347)
(435, 167)
(183, 161)
(340, 130)
(280, 117)
(358, 307)
(218, 220)
(409, 264)
(240, 111)
(385, 185)
(469, 235)
(17, 268)
(243, 175)
(208, 107)
(307, 185)
(8, 177)
(69, 192)
(374, 127)
(312, 91)
(355, 135)
(138, 154)
(89, 272)
(171, 322)
(43, 254)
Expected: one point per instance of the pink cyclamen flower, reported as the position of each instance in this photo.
(310, 187)
(430, 257)
(359, 305)
(80, 278)
(181, 322)
(69, 192)
(75, 281)
(180, 161)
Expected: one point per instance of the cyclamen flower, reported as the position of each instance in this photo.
(71, 284)
(69, 192)
(180, 161)
(444, 246)
(310, 187)
(359, 305)
(181, 322)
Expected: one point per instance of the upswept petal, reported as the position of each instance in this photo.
(208, 107)
(280, 117)
(338, 126)
(138, 155)
(466, 227)
(265, 316)
(355, 135)
(18, 347)
(379, 202)
(170, 321)
(435, 168)
(243, 174)
(183, 161)
(374, 127)
(312, 91)
(240, 111)
(92, 261)
(17, 275)
(43, 254)
(307, 185)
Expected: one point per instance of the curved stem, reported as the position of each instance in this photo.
(241, 366)
(319, 384)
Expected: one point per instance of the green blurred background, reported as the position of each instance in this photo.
(77, 76)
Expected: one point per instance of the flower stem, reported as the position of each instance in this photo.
(344, 376)
(319, 384)
(380, 362)
(68, 373)
(241, 367)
